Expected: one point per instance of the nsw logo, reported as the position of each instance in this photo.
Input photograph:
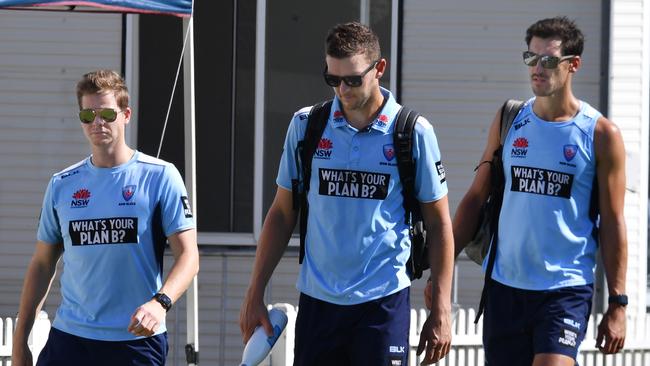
(381, 121)
(338, 116)
(570, 152)
(389, 152)
(80, 198)
(519, 148)
(324, 149)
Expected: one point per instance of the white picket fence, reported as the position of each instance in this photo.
(467, 349)
(37, 337)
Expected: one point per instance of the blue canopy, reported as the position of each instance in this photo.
(181, 8)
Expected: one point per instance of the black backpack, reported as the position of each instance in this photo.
(403, 143)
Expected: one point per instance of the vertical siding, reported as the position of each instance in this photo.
(629, 101)
(462, 59)
(42, 54)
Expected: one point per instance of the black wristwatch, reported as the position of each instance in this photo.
(164, 300)
(618, 299)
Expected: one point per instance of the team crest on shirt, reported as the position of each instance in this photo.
(570, 152)
(80, 198)
(389, 152)
(381, 121)
(128, 191)
(338, 116)
(127, 194)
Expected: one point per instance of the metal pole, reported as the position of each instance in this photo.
(192, 346)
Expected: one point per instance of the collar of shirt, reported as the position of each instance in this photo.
(383, 122)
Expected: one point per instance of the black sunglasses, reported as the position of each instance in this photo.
(107, 114)
(548, 62)
(351, 80)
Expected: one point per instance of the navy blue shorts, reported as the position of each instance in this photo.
(375, 333)
(518, 324)
(65, 349)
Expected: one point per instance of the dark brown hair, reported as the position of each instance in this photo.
(350, 39)
(559, 27)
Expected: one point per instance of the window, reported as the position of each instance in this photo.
(232, 193)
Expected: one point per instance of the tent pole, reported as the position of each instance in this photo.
(192, 346)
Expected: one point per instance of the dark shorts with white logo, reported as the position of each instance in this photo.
(65, 349)
(518, 324)
(375, 333)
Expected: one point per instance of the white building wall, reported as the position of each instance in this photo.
(42, 55)
(629, 100)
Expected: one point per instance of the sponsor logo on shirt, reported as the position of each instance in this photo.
(80, 198)
(66, 175)
(187, 211)
(324, 149)
(570, 152)
(572, 323)
(127, 194)
(338, 116)
(519, 148)
(541, 181)
(396, 349)
(521, 124)
(389, 152)
(381, 121)
(113, 230)
(441, 171)
(568, 338)
(353, 184)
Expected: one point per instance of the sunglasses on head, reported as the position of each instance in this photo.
(107, 114)
(351, 81)
(548, 62)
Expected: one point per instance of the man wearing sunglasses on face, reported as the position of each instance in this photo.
(563, 163)
(354, 303)
(109, 217)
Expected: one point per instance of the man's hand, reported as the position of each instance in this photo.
(435, 336)
(147, 318)
(21, 355)
(252, 314)
(611, 330)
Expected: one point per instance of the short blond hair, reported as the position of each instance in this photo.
(102, 81)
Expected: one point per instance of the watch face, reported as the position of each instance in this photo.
(164, 300)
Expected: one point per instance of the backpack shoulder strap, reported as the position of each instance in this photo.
(403, 142)
(316, 123)
(509, 111)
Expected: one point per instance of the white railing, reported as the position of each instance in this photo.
(37, 337)
(467, 349)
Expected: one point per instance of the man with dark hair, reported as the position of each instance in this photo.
(563, 164)
(109, 217)
(354, 302)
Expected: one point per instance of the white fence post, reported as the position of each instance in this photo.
(36, 341)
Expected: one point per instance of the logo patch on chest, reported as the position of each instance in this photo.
(353, 184)
(541, 181)
(113, 230)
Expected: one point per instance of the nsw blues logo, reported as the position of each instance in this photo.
(570, 152)
(338, 116)
(389, 152)
(381, 121)
(128, 191)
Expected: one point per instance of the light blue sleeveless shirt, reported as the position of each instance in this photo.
(113, 223)
(357, 243)
(545, 232)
